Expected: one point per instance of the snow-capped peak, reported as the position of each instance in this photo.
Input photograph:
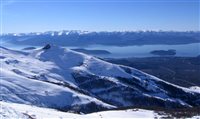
(64, 79)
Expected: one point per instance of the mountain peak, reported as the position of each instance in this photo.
(65, 79)
(48, 46)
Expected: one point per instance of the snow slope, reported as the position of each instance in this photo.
(19, 85)
(71, 81)
(195, 88)
(12, 110)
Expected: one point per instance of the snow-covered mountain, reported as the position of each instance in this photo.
(84, 38)
(21, 111)
(67, 80)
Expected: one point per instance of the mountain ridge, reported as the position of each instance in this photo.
(71, 81)
(85, 38)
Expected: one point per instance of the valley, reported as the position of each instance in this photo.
(182, 71)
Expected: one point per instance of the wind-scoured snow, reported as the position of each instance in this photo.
(21, 82)
(67, 80)
(12, 110)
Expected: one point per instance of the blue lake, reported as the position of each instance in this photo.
(188, 50)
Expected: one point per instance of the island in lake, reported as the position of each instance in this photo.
(170, 52)
(29, 48)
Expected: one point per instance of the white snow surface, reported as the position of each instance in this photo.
(195, 88)
(18, 83)
(25, 76)
(22, 111)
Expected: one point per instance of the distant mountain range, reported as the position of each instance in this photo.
(67, 80)
(84, 38)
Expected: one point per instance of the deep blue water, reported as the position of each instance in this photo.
(187, 50)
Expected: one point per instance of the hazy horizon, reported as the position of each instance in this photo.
(98, 31)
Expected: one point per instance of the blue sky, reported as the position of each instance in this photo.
(99, 15)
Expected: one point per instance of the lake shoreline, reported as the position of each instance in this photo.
(187, 50)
